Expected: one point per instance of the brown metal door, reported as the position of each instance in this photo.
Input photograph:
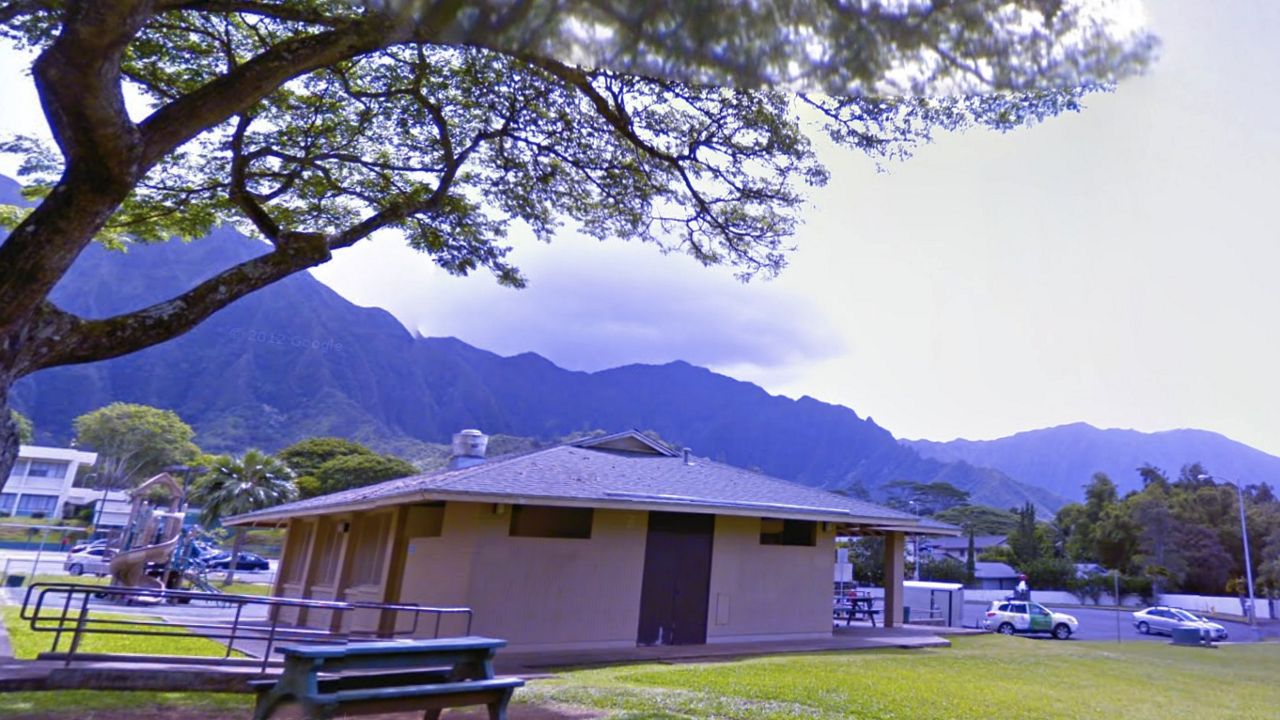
(677, 579)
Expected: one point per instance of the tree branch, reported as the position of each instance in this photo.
(276, 11)
(11, 10)
(66, 339)
(239, 192)
(241, 88)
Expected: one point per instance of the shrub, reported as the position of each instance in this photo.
(1090, 587)
(1049, 573)
(1139, 585)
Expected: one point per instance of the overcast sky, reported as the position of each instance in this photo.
(1118, 267)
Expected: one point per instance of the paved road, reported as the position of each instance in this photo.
(51, 562)
(1100, 624)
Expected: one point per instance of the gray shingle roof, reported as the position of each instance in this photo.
(571, 474)
(993, 571)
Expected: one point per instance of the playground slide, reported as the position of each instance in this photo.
(129, 568)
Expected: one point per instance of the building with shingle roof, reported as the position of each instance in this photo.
(604, 542)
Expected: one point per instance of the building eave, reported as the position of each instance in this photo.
(622, 501)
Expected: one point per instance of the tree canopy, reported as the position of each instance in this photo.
(326, 464)
(924, 498)
(134, 442)
(316, 123)
(354, 471)
(979, 519)
(306, 457)
(1181, 534)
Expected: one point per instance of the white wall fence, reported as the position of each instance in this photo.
(1225, 604)
(1052, 597)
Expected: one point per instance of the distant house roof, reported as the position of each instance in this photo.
(621, 471)
(1087, 569)
(980, 542)
(993, 571)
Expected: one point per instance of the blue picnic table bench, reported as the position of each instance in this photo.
(388, 676)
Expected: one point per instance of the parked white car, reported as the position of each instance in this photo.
(1015, 616)
(1163, 620)
(93, 560)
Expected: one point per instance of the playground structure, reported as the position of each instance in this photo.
(155, 538)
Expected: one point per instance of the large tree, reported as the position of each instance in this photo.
(316, 123)
(134, 442)
(306, 457)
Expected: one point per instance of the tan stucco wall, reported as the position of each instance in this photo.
(566, 593)
(534, 592)
(767, 591)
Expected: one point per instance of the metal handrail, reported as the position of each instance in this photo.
(69, 612)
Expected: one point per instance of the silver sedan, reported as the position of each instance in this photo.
(1164, 620)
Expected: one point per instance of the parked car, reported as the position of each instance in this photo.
(1164, 620)
(247, 561)
(81, 547)
(205, 552)
(1010, 617)
(93, 560)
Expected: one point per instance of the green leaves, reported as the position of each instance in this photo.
(134, 442)
(671, 123)
(326, 465)
(237, 485)
(26, 431)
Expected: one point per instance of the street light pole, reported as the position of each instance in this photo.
(916, 540)
(1248, 564)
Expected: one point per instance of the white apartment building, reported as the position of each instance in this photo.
(41, 481)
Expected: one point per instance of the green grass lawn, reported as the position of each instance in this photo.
(979, 677)
(28, 643)
(91, 704)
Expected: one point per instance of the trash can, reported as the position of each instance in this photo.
(14, 581)
(1186, 636)
(906, 615)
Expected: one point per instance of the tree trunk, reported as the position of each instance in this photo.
(235, 557)
(8, 433)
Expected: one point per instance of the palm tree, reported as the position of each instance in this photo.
(239, 485)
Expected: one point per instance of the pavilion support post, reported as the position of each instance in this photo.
(894, 569)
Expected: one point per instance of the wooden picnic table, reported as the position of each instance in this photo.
(388, 676)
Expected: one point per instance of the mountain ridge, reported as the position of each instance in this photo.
(1081, 449)
(297, 359)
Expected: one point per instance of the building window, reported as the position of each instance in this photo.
(19, 469)
(426, 520)
(39, 468)
(776, 531)
(37, 505)
(541, 521)
(6, 502)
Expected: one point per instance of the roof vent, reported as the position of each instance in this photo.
(468, 449)
(687, 461)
